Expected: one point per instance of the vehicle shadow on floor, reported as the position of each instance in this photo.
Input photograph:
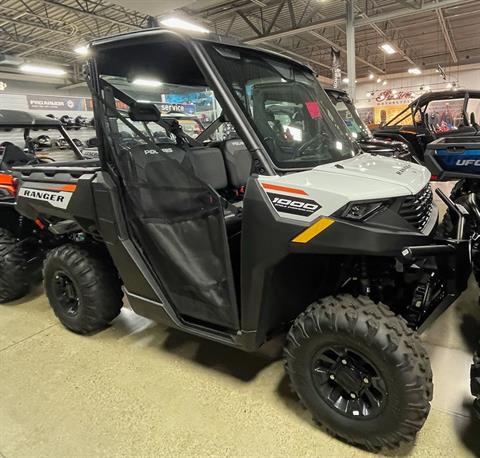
(230, 361)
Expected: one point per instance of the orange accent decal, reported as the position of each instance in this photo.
(67, 187)
(6, 179)
(276, 187)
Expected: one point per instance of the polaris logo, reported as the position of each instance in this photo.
(151, 151)
(56, 199)
(294, 206)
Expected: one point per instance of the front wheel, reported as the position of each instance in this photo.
(360, 371)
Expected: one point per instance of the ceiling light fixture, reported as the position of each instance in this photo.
(41, 70)
(387, 48)
(414, 71)
(379, 80)
(384, 82)
(371, 76)
(81, 50)
(146, 82)
(345, 80)
(176, 23)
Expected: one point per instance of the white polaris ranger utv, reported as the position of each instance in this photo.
(286, 228)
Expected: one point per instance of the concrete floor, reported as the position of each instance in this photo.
(138, 389)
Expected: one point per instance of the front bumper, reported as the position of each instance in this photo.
(453, 258)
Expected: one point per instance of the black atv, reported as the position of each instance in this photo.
(286, 229)
(360, 131)
(432, 116)
(22, 241)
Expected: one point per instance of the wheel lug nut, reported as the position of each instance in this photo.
(344, 362)
(353, 395)
(332, 377)
(365, 380)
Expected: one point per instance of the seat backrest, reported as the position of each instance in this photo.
(14, 156)
(238, 162)
(209, 166)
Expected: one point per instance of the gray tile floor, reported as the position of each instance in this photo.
(138, 389)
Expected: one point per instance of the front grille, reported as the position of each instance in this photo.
(418, 208)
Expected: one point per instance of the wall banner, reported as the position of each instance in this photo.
(52, 102)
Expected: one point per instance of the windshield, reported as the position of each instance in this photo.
(291, 113)
(349, 114)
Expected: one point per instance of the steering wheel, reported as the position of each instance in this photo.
(310, 142)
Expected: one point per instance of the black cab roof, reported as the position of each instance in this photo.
(22, 119)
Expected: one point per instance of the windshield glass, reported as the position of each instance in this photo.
(352, 119)
(291, 113)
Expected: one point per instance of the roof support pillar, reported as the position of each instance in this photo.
(350, 30)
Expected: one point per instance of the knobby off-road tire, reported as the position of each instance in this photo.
(14, 282)
(82, 287)
(380, 348)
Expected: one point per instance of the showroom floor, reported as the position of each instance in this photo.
(138, 389)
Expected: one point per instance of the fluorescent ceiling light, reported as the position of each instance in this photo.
(81, 50)
(146, 82)
(414, 71)
(176, 23)
(388, 48)
(345, 80)
(41, 70)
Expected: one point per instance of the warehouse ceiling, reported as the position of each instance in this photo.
(425, 32)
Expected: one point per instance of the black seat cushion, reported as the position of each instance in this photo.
(238, 162)
(209, 166)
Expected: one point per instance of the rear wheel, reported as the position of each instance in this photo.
(14, 282)
(83, 288)
(360, 371)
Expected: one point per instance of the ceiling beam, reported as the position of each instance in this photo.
(94, 15)
(360, 22)
(340, 48)
(404, 12)
(446, 35)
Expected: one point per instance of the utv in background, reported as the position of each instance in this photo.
(22, 241)
(360, 131)
(434, 115)
(241, 240)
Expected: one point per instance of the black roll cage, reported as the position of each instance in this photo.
(421, 104)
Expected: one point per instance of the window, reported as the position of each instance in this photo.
(291, 113)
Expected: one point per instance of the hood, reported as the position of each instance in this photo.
(408, 175)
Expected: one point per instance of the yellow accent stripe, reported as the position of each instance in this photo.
(315, 229)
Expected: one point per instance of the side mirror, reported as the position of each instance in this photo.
(144, 112)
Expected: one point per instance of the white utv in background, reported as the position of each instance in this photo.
(286, 229)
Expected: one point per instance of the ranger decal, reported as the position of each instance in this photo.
(57, 199)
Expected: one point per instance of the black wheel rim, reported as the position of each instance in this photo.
(66, 293)
(348, 382)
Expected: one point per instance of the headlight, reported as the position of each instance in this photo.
(359, 211)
